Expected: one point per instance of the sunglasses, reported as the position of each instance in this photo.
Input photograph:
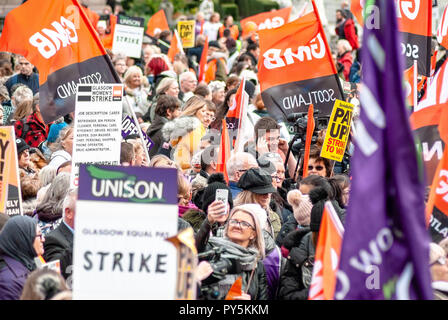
(242, 224)
(318, 168)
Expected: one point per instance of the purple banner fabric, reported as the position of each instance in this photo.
(129, 127)
(385, 250)
(128, 184)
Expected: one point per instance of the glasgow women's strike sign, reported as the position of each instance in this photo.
(123, 216)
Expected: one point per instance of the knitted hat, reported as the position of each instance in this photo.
(215, 181)
(55, 128)
(256, 181)
(21, 145)
(301, 205)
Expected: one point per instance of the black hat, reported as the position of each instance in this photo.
(215, 181)
(249, 87)
(256, 181)
(21, 145)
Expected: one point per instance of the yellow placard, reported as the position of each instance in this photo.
(186, 33)
(338, 131)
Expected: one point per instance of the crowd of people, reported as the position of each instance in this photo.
(268, 229)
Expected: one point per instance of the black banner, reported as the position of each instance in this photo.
(438, 225)
(297, 96)
(417, 47)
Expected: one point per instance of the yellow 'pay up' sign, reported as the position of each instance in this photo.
(338, 131)
(186, 33)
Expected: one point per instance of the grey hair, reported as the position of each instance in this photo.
(63, 134)
(47, 175)
(185, 75)
(164, 85)
(54, 197)
(237, 161)
(22, 93)
(70, 200)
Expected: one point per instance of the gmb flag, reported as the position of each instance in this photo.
(296, 68)
(57, 37)
(270, 19)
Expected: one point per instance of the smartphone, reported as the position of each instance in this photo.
(222, 195)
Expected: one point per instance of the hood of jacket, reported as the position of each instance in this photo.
(174, 130)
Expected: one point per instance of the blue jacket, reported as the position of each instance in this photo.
(13, 275)
(234, 189)
(31, 81)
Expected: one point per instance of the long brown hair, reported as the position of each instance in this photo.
(24, 109)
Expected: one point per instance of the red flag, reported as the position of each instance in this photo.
(235, 290)
(175, 47)
(268, 20)
(157, 23)
(327, 256)
(236, 117)
(309, 135)
(66, 52)
(224, 151)
(296, 68)
(203, 61)
(442, 31)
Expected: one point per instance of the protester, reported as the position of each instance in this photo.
(185, 132)
(439, 271)
(346, 29)
(127, 155)
(243, 242)
(217, 88)
(49, 211)
(136, 90)
(345, 58)
(26, 76)
(20, 242)
(237, 165)
(59, 242)
(318, 165)
(188, 83)
(23, 156)
(211, 27)
(46, 177)
(63, 147)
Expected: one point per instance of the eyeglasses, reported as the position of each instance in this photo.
(41, 236)
(441, 260)
(276, 178)
(318, 168)
(242, 224)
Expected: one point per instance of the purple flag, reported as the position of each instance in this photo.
(385, 250)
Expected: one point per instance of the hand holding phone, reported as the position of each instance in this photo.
(222, 195)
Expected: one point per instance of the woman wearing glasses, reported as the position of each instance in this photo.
(242, 245)
(21, 240)
(317, 165)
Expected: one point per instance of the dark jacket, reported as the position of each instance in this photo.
(292, 286)
(155, 134)
(13, 275)
(58, 245)
(31, 82)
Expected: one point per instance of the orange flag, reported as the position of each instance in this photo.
(224, 151)
(175, 47)
(236, 116)
(235, 290)
(327, 256)
(357, 7)
(157, 23)
(309, 135)
(203, 61)
(442, 30)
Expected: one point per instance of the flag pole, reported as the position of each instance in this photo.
(415, 96)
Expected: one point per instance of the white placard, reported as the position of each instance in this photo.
(97, 130)
(128, 36)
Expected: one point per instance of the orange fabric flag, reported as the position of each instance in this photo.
(327, 256)
(235, 290)
(65, 52)
(157, 23)
(236, 116)
(175, 47)
(309, 135)
(203, 61)
(442, 30)
(356, 8)
(224, 151)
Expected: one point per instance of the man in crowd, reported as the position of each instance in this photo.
(345, 29)
(188, 83)
(237, 165)
(25, 76)
(58, 244)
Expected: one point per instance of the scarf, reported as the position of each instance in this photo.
(247, 257)
(17, 238)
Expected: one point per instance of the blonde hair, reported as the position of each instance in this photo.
(193, 105)
(258, 241)
(245, 197)
(164, 85)
(130, 72)
(183, 186)
(24, 108)
(159, 158)
(63, 135)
